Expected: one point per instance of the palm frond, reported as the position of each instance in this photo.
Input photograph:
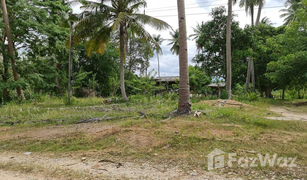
(151, 21)
(121, 18)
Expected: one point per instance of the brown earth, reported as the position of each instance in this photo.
(224, 103)
(287, 115)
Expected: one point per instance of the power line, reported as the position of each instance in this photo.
(187, 5)
(273, 7)
(186, 8)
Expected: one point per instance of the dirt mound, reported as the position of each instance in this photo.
(224, 103)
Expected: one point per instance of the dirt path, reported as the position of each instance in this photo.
(43, 167)
(287, 115)
(10, 175)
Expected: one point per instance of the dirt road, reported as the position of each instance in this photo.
(41, 167)
(287, 114)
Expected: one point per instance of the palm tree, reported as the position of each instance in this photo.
(157, 42)
(290, 13)
(228, 49)
(266, 21)
(100, 20)
(260, 6)
(184, 105)
(11, 47)
(174, 42)
(249, 7)
(198, 33)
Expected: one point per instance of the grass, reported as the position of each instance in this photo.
(182, 141)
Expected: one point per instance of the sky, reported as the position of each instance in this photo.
(197, 11)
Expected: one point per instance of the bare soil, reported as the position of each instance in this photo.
(90, 168)
(225, 103)
(287, 114)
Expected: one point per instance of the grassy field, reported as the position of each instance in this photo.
(143, 130)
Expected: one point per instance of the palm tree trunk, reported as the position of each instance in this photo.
(5, 75)
(228, 49)
(252, 14)
(122, 48)
(184, 105)
(158, 65)
(11, 48)
(259, 12)
(57, 80)
(253, 75)
(70, 66)
(248, 76)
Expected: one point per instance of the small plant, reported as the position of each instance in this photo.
(252, 96)
(73, 100)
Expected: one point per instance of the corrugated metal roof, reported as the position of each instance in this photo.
(217, 85)
(167, 78)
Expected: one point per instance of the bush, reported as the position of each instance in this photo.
(224, 95)
(252, 96)
(72, 101)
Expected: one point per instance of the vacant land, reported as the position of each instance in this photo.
(98, 138)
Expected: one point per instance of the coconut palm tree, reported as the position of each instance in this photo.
(249, 7)
(198, 33)
(266, 21)
(174, 42)
(228, 49)
(157, 42)
(184, 105)
(260, 4)
(290, 13)
(100, 19)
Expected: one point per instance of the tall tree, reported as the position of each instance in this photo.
(228, 49)
(101, 19)
(249, 7)
(157, 43)
(184, 105)
(11, 47)
(212, 44)
(260, 6)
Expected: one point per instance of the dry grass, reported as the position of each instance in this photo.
(181, 141)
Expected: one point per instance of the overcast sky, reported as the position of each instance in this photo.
(196, 12)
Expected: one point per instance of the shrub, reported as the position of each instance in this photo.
(72, 101)
(252, 96)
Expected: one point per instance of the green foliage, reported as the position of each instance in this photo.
(210, 39)
(174, 42)
(139, 53)
(142, 85)
(198, 80)
(73, 100)
(252, 96)
(224, 95)
(97, 72)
